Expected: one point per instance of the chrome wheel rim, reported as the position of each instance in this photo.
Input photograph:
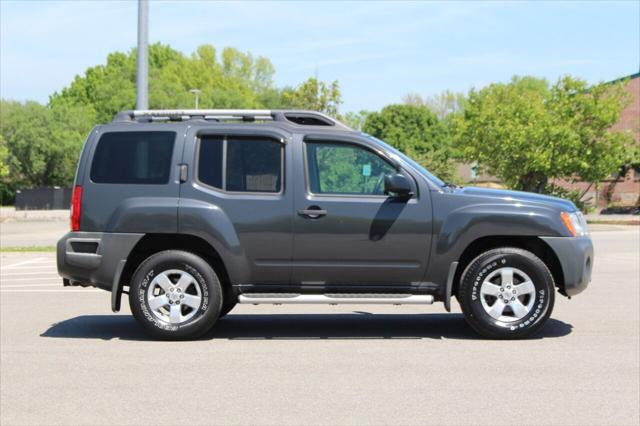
(507, 294)
(174, 296)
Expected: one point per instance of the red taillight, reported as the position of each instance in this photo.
(76, 203)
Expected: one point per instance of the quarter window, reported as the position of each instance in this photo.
(241, 164)
(336, 168)
(133, 158)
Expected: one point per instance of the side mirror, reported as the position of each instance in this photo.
(397, 186)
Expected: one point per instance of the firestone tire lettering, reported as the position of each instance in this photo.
(475, 274)
(210, 291)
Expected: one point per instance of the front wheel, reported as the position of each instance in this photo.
(175, 295)
(506, 293)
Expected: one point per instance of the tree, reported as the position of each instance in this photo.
(6, 193)
(42, 143)
(233, 79)
(314, 95)
(442, 104)
(229, 79)
(417, 132)
(526, 132)
(4, 159)
(355, 120)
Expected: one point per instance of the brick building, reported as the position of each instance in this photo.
(620, 190)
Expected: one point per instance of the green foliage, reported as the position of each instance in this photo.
(442, 104)
(574, 195)
(232, 79)
(6, 192)
(526, 132)
(4, 159)
(355, 120)
(314, 95)
(417, 132)
(40, 144)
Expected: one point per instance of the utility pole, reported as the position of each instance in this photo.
(142, 82)
(197, 93)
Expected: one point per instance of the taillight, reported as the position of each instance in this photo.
(76, 204)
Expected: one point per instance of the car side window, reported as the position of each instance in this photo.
(341, 168)
(133, 158)
(241, 164)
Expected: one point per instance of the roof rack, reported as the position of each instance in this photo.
(300, 117)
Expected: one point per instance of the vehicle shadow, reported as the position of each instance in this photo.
(347, 326)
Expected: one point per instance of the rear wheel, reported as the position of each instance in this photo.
(175, 295)
(506, 293)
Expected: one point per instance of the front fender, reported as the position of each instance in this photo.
(468, 223)
(456, 228)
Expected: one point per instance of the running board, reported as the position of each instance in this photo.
(335, 299)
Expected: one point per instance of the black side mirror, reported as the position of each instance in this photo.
(397, 186)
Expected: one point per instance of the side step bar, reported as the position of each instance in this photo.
(335, 299)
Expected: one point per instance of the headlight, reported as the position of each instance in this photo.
(575, 223)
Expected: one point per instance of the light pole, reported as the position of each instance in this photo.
(196, 92)
(142, 81)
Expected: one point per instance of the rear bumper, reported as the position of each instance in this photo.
(576, 259)
(94, 258)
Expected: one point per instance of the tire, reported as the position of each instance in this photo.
(175, 295)
(499, 307)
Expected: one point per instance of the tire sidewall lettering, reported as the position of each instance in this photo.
(144, 306)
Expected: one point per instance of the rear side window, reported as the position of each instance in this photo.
(133, 158)
(241, 164)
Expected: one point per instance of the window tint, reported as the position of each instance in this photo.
(345, 169)
(252, 164)
(210, 161)
(133, 157)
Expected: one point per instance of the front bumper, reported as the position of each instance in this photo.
(576, 259)
(94, 258)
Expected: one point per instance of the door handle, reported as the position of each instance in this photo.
(313, 212)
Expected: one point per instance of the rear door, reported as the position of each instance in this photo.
(346, 231)
(239, 196)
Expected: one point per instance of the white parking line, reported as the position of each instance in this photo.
(27, 282)
(44, 290)
(30, 285)
(19, 274)
(26, 262)
(31, 267)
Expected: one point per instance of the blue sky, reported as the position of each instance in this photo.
(379, 51)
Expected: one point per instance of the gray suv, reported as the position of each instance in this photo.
(190, 212)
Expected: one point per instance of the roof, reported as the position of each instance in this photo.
(621, 79)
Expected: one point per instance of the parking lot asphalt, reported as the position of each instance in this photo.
(65, 358)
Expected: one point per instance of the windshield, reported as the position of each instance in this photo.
(426, 173)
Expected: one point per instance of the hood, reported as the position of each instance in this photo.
(518, 196)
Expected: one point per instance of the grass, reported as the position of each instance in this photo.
(27, 249)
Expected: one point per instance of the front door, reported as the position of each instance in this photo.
(347, 232)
